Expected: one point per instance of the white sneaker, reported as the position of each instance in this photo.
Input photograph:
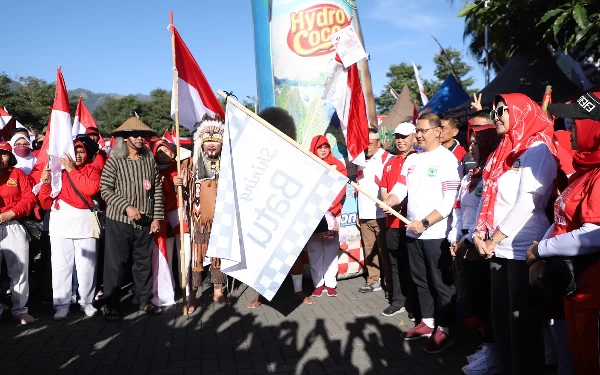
(481, 351)
(484, 364)
(61, 314)
(89, 310)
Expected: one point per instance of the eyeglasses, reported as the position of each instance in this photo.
(498, 112)
(422, 131)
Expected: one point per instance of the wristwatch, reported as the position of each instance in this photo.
(425, 223)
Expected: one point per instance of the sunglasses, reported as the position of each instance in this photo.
(136, 135)
(498, 112)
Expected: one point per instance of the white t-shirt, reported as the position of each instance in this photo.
(369, 178)
(431, 181)
(70, 222)
(529, 183)
(466, 211)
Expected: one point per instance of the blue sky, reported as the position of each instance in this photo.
(124, 47)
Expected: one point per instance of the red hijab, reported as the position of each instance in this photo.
(564, 152)
(486, 138)
(580, 202)
(528, 124)
(321, 140)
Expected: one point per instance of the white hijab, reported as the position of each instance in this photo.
(27, 163)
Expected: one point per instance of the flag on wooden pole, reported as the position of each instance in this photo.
(271, 196)
(196, 98)
(424, 98)
(344, 91)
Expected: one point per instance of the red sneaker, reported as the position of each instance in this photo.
(437, 342)
(318, 291)
(331, 292)
(418, 332)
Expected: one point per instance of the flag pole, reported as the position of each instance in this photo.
(449, 62)
(183, 267)
(259, 119)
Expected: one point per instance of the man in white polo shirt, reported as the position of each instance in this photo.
(371, 219)
(430, 180)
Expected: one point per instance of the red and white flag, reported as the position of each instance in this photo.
(162, 278)
(344, 91)
(58, 138)
(421, 87)
(168, 137)
(196, 98)
(7, 125)
(83, 120)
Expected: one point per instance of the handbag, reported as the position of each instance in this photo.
(98, 217)
(558, 277)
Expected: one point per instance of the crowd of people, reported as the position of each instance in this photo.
(493, 229)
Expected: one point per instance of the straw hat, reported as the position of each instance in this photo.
(133, 124)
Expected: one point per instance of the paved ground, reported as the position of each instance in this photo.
(343, 335)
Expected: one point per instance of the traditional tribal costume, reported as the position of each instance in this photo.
(203, 176)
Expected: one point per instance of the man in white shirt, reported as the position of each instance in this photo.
(371, 219)
(430, 180)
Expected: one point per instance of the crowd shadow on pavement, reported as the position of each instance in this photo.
(334, 336)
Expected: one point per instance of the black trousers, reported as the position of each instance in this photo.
(517, 326)
(480, 281)
(122, 242)
(431, 270)
(402, 282)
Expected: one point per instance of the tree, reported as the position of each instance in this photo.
(115, 111)
(461, 68)
(400, 75)
(529, 25)
(33, 98)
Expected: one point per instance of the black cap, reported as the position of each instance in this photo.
(586, 107)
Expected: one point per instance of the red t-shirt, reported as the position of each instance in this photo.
(391, 174)
(16, 193)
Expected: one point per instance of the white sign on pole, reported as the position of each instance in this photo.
(348, 46)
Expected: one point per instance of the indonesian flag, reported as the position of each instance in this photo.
(344, 91)
(7, 125)
(58, 138)
(421, 87)
(415, 114)
(394, 93)
(162, 277)
(168, 137)
(83, 120)
(196, 98)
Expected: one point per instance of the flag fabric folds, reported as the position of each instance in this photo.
(270, 198)
(196, 98)
(343, 91)
(59, 140)
(420, 84)
(83, 119)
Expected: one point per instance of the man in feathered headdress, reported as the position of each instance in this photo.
(201, 176)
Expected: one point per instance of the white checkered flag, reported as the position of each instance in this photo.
(271, 197)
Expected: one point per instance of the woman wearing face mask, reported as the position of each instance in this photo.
(518, 180)
(576, 232)
(22, 150)
(72, 239)
(162, 264)
(324, 244)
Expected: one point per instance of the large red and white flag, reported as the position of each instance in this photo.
(162, 278)
(59, 140)
(344, 91)
(83, 120)
(196, 98)
(424, 98)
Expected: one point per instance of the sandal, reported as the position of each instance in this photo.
(112, 315)
(152, 309)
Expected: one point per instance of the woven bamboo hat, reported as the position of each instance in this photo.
(134, 125)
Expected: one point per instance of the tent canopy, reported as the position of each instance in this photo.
(450, 95)
(527, 73)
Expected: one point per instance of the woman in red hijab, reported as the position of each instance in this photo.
(576, 231)
(518, 180)
(324, 244)
(71, 230)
